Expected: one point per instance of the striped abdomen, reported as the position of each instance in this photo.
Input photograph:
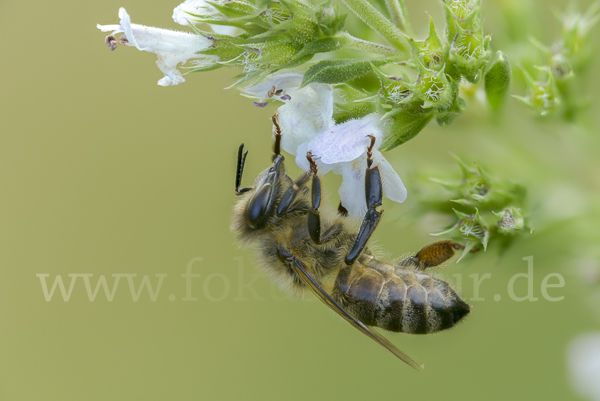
(397, 299)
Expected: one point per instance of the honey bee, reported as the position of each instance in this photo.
(303, 250)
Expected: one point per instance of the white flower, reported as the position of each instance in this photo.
(181, 15)
(307, 124)
(583, 358)
(171, 47)
(280, 86)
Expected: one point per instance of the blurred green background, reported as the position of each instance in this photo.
(103, 172)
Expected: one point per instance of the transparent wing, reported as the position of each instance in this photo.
(311, 283)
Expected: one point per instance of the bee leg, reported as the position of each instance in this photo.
(314, 217)
(277, 145)
(374, 195)
(433, 254)
(241, 161)
(290, 195)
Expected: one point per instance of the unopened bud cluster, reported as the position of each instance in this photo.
(550, 87)
(278, 35)
(486, 209)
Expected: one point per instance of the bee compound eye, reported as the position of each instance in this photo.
(257, 208)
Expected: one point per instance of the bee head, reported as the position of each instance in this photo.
(257, 207)
(266, 191)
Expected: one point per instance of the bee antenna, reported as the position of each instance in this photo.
(241, 161)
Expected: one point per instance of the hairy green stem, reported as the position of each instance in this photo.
(373, 18)
(399, 16)
(365, 45)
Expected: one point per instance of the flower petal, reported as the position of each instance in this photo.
(352, 190)
(346, 142)
(181, 15)
(308, 112)
(393, 187)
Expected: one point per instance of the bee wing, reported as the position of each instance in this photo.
(311, 283)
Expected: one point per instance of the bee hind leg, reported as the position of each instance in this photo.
(432, 255)
(374, 195)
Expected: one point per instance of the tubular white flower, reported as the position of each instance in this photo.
(583, 357)
(171, 47)
(306, 120)
(181, 15)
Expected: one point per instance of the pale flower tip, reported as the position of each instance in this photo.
(170, 80)
(181, 13)
(123, 14)
(584, 365)
(108, 28)
(164, 81)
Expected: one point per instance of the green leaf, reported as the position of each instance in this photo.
(373, 18)
(322, 46)
(339, 71)
(234, 8)
(497, 81)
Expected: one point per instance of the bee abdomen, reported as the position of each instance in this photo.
(398, 300)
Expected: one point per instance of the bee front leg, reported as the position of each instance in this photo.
(277, 144)
(374, 195)
(314, 217)
(290, 195)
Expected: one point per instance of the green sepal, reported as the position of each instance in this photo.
(405, 126)
(497, 81)
(446, 116)
(349, 111)
(210, 67)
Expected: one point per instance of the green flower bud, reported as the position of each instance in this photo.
(465, 14)
(430, 51)
(329, 19)
(510, 221)
(302, 27)
(434, 88)
(542, 96)
(497, 81)
(396, 92)
(575, 33)
(470, 53)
